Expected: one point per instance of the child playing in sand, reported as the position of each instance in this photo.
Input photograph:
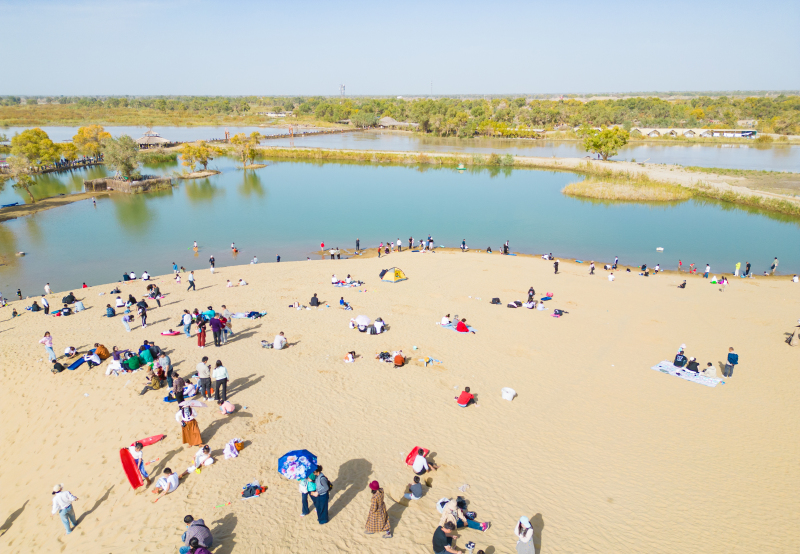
(414, 490)
(421, 465)
(350, 357)
(168, 483)
(465, 398)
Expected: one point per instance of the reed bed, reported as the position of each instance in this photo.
(628, 188)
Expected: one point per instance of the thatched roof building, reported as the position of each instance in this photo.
(152, 140)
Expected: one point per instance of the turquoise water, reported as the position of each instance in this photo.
(287, 208)
(732, 156)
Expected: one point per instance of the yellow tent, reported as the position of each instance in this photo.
(393, 275)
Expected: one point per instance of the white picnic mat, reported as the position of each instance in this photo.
(683, 373)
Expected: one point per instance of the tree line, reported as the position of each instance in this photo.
(469, 117)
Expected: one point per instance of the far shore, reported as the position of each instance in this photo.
(43, 204)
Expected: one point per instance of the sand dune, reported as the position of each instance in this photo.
(602, 453)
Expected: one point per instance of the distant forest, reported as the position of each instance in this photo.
(442, 116)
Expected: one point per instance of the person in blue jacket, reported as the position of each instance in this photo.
(733, 359)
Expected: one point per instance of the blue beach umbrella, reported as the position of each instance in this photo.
(297, 464)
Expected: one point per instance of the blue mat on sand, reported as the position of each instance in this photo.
(545, 298)
(453, 328)
(79, 362)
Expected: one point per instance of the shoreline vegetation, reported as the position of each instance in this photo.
(521, 117)
(627, 188)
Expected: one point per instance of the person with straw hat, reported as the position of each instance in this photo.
(377, 519)
(62, 505)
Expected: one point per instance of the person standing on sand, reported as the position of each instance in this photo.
(204, 378)
(177, 386)
(47, 289)
(708, 270)
(212, 261)
(733, 359)
(774, 265)
(143, 315)
(46, 305)
(62, 505)
(191, 281)
(47, 341)
(174, 268)
(358, 245)
(616, 261)
(736, 270)
(216, 330)
(591, 268)
(19, 293)
(747, 269)
(320, 496)
(410, 243)
(399, 245)
(377, 518)
(226, 313)
(555, 265)
(187, 323)
(220, 382)
(201, 333)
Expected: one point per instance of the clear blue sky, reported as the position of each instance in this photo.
(198, 47)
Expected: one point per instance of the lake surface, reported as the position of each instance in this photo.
(731, 156)
(287, 208)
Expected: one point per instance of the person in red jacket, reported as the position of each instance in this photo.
(465, 398)
(461, 327)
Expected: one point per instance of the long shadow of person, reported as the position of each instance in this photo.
(163, 463)
(242, 383)
(10, 519)
(102, 499)
(537, 523)
(223, 534)
(209, 432)
(353, 478)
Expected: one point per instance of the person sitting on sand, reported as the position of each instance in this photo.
(379, 325)
(682, 285)
(680, 357)
(693, 365)
(168, 483)
(101, 351)
(465, 398)
(795, 279)
(453, 512)
(66, 310)
(446, 320)
(350, 357)
(279, 342)
(202, 458)
(70, 352)
(399, 359)
(145, 276)
(611, 277)
(229, 284)
(110, 312)
(347, 279)
(314, 301)
(242, 282)
(461, 327)
(92, 359)
(119, 302)
(710, 370)
(414, 490)
(421, 465)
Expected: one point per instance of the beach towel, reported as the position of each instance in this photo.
(453, 328)
(172, 334)
(230, 451)
(683, 373)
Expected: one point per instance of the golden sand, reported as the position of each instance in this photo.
(602, 453)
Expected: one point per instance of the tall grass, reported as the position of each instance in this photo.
(157, 156)
(628, 188)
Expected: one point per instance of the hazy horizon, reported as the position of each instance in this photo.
(200, 48)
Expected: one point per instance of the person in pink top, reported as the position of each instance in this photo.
(47, 341)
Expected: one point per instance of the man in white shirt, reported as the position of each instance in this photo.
(611, 277)
(399, 246)
(168, 483)
(120, 302)
(145, 276)
(187, 323)
(379, 325)
(132, 276)
(421, 465)
(62, 505)
(280, 342)
(47, 288)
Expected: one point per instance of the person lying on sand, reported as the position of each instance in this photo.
(421, 465)
(168, 483)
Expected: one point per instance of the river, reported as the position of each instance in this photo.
(774, 157)
(287, 208)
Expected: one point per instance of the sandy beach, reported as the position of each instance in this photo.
(602, 453)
